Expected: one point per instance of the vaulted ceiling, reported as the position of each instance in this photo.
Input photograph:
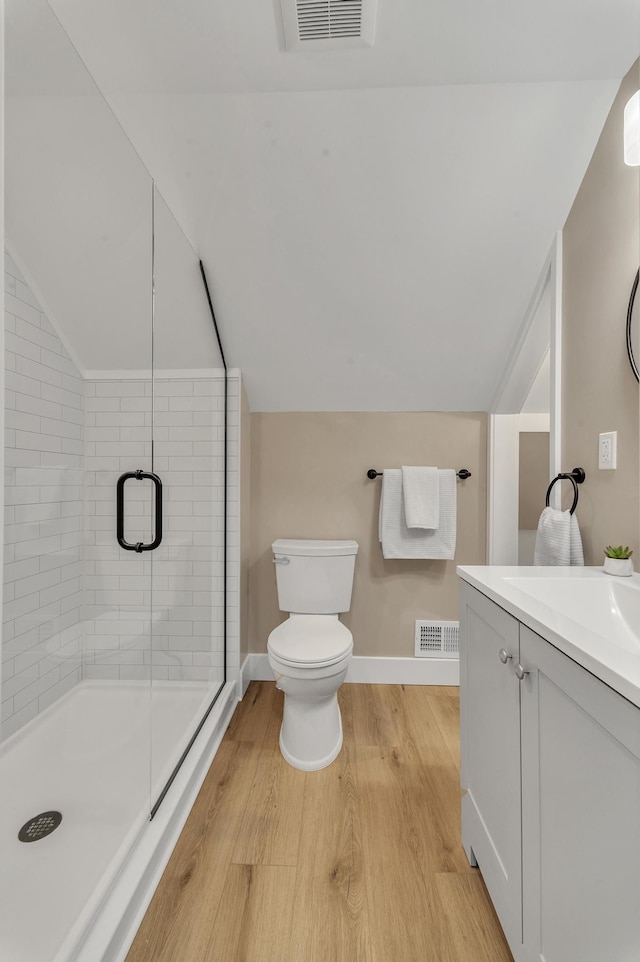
(372, 221)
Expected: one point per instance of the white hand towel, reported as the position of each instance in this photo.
(398, 541)
(558, 540)
(421, 492)
(576, 554)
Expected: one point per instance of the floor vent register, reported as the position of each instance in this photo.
(437, 639)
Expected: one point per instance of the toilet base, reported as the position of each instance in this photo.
(311, 732)
(305, 765)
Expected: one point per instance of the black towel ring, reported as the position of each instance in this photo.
(576, 477)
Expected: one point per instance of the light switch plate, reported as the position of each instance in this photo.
(608, 451)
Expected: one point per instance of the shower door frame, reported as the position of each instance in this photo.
(155, 374)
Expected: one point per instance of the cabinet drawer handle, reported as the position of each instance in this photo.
(504, 656)
(521, 672)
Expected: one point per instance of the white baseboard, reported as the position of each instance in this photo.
(374, 670)
(246, 676)
(404, 671)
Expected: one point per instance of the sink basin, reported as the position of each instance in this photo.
(608, 606)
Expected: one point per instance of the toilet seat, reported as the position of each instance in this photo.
(314, 674)
(310, 641)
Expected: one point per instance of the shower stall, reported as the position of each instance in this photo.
(119, 641)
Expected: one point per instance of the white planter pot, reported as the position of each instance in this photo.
(622, 567)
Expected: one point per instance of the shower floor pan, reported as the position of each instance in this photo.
(87, 757)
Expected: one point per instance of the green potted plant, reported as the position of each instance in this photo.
(617, 561)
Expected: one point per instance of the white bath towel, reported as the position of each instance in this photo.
(558, 541)
(397, 540)
(421, 492)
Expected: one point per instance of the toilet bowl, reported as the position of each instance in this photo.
(309, 653)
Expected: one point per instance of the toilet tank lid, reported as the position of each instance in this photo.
(314, 549)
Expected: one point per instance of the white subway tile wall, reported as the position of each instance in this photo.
(76, 604)
(182, 581)
(44, 420)
(117, 603)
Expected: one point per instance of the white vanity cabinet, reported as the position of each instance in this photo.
(555, 827)
(580, 812)
(490, 752)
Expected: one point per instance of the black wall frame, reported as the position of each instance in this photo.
(632, 360)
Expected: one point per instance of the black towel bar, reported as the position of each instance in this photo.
(463, 474)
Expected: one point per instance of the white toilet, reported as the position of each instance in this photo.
(309, 653)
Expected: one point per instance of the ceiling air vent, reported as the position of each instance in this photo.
(328, 24)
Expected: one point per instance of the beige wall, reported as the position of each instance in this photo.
(601, 256)
(308, 480)
(245, 520)
(533, 477)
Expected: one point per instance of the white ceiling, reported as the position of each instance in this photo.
(373, 221)
(206, 46)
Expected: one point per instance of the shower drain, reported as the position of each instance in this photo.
(39, 826)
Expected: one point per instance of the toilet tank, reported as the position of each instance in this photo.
(314, 577)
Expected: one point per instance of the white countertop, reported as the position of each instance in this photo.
(592, 617)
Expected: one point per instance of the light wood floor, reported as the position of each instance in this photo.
(360, 862)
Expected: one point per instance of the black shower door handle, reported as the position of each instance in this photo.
(139, 475)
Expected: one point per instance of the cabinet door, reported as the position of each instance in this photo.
(581, 812)
(490, 726)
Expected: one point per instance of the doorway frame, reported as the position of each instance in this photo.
(505, 419)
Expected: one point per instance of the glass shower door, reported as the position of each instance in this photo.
(113, 643)
(187, 648)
